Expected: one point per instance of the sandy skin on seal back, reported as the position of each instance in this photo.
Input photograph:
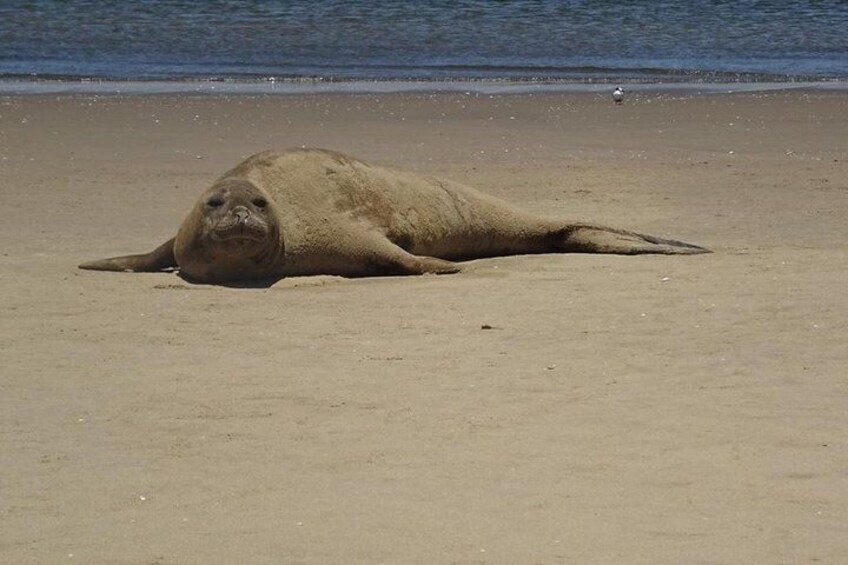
(312, 211)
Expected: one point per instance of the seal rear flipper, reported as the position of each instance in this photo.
(159, 259)
(597, 239)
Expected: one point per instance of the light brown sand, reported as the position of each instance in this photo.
(621, 410)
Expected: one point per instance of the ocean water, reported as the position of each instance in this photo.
(337, 41)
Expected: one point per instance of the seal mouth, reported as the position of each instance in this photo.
(244, 231)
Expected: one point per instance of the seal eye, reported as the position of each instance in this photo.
(215, 202)
(260, 202)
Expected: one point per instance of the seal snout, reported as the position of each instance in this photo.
(241, 213)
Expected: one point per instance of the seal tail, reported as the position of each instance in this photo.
(159, 259)
(597, 239)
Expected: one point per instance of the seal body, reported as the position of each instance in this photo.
(312, 211)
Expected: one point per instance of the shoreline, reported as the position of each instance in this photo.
(21, 87)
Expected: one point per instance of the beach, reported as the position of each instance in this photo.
(531, 409)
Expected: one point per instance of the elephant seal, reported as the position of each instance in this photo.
(313, 211)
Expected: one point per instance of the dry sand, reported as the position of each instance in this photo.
(620, 410)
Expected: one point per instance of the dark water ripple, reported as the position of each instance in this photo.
(434, 39)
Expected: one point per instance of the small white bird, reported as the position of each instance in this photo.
(618, 95)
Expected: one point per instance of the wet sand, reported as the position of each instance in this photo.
(620, 409)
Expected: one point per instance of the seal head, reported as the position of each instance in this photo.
(231, 234)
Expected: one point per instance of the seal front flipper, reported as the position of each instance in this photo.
(583, 238)
(159, 259)
(377, 256)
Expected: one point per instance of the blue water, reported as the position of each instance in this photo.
(566, 41)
